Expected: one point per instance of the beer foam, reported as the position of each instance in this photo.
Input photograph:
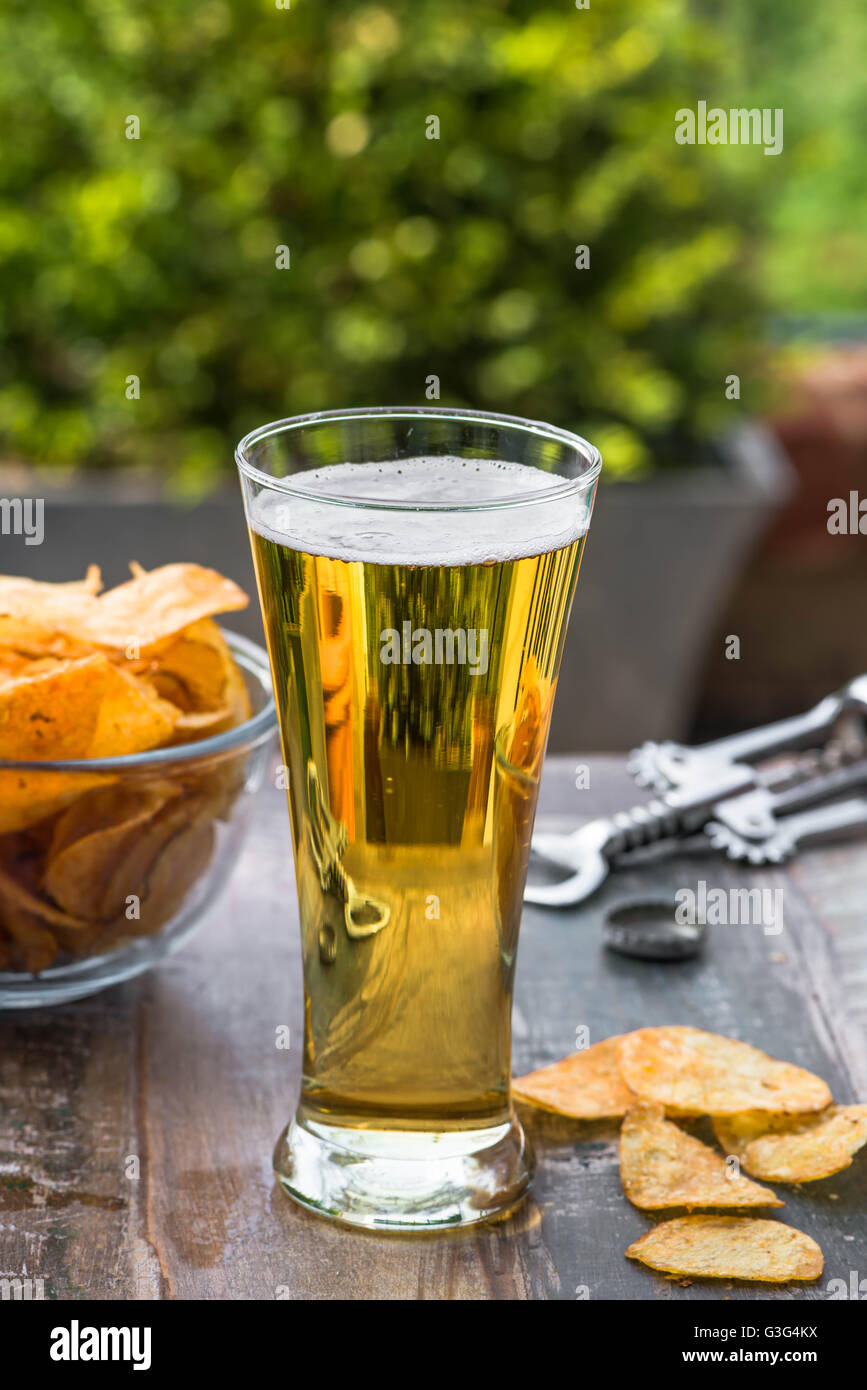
(342, 527)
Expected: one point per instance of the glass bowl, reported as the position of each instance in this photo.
(121, 856)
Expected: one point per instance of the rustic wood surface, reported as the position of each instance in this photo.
(179, 1069)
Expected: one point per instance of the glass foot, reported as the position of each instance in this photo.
(404, 1181)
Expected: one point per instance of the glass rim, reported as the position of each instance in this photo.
(565, 487)
(246, 736)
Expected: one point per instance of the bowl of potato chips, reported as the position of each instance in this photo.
(133, 733)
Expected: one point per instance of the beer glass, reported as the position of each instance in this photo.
(416, 569)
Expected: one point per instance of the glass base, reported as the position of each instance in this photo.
(401, 1180)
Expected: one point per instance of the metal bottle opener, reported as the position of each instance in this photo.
(756, 824)
(661, 766)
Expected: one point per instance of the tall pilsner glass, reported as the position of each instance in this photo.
(416, 569)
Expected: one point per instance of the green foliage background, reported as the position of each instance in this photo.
(263, 127)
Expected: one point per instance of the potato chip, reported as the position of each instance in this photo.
(54, 714)
(152, 608)
(131, 873)
(31, 946)
(180, 864)
(33, 613)
(86, 675)
(729, 1247)
(198, 673)
(14, 893)
(586, 1086)
(29, 924)
(131, 718)
(92, 839)
(795, 1148)
(22, 852)
(13, 662)
(78, 709)
(661, 1166)
(147, 611)
(166, 860)
(31, 608)
(98, 810)
(692, 1072)
(220, 783)
(26, 798)
(196, 663)
(189, 728)
(40, 651)
(736, 1132)
(12, 585)
(150, 844)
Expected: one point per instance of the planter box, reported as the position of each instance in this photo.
(799, 603)
(660, 562)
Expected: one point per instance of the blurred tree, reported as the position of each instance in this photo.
(275, 232)
(809, 60)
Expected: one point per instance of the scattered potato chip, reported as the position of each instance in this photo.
(729, 1247)
(736, 1132)
(795, 1148)
(661, 1166)
(586, 1086)
(692, 1072)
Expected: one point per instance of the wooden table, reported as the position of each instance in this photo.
(180, 1070)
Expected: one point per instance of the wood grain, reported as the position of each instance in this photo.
(180, 1071)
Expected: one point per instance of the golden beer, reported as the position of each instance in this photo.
(415, 651)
